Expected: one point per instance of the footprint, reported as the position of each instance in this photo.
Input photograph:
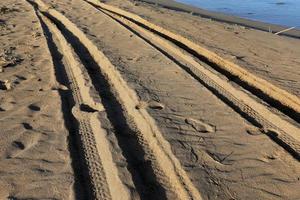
(25, 142)
(152, 104)
(21, 77)
(273, 156)
(253, 131)
(42, 170)
(156, 105)
(200, 126)
(6, 106)
(34, 107)
(27, 126)
(18, 145)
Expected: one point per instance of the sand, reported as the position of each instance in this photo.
(35, 154)
(93, 106)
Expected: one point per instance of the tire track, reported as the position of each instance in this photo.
(102, 172)
(107, 184)
(167, 169)
(278, 129)
(85, 131)
(281, 99)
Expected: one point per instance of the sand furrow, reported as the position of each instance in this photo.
(286, 102)
(166, 167)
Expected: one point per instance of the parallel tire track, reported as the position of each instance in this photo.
(167, 169)
(280, 130)
(288, 101)
(102, 172)
(88, 142)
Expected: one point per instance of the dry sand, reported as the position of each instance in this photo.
(35, 154)
(92, 108)
(274, 58)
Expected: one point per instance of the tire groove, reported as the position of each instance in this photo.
(253, 111)
(166, 167)
(282, 100)
(93, 161)
(97, 184)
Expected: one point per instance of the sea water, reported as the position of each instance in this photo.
(280, 12)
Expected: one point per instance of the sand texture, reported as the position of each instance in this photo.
(122, 100)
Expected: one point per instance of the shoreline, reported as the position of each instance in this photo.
(263, 26)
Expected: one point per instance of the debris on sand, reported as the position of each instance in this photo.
(9, 58)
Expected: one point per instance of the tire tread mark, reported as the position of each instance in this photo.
(288, 137)
(167, 168)
(98, 183)
(278, 96)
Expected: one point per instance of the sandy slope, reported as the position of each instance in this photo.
(139, 125)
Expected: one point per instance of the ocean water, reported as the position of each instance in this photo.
(281, 12)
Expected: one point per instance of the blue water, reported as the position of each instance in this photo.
(281, 12)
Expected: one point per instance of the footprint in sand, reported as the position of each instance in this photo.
(152, 104)
(273, 156)
(34, 107)
(27, 126)
(6, 106)
(200, 126)
(26, 141)
(156, 105)
(18, 145)
(19, 79)
(254, 131)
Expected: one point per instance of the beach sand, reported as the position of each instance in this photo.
(272, 57)
(94, 108)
